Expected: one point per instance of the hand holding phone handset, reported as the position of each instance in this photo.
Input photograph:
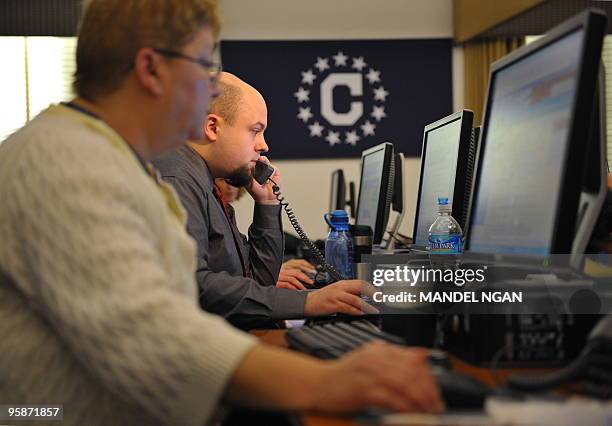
(262, 173)
(593, 364)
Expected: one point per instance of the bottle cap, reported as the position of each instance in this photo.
(338, 220)
(443, 206)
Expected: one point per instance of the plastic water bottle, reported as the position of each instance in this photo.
(339, 244)
(445, 238)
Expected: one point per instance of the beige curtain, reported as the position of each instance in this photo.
(478, 57)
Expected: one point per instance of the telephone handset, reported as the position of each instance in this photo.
(593, 364)
(262, 173)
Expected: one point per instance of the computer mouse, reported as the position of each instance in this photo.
(319, 280)
(460, 391)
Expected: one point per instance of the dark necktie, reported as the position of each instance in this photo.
(226, 207)
(231, 217)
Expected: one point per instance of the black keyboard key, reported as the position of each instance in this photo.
(349, 334)
(338, 340)
(312, 345)
(368, 328)
(357, 332)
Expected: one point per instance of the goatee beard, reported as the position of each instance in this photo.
(240, 177)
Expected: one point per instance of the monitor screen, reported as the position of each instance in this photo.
(525, 143)
(374, 189)
(441, 146)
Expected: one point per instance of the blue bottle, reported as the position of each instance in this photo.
(445, 238)
(339, 244)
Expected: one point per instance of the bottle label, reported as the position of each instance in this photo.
(445, 244)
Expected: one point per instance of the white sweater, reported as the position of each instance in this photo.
(98, 307)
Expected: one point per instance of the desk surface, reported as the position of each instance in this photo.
(488, 376)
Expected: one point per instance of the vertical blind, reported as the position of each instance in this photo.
(36, 72)
(13, 101)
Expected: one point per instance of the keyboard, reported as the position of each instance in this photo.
(334, 339)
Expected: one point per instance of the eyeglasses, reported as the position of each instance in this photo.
(213, 68)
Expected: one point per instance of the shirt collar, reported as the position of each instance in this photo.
(147, 166)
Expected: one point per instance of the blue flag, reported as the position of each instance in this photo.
(331, 99)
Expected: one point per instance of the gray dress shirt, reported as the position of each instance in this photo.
(224, 288)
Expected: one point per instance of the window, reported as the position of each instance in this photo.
(51, 64)
(13, 102)
(36, 72)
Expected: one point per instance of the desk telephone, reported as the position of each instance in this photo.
(593, 366)
(262, 173)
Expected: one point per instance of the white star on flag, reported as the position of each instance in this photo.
(308, 77)
(305, 114)
(378, 112)
(380, 94)
(302, 95)
(352, 138)
(333, 138)
(322, 64)
(368, 128)
(359, 63)
(340, 59)
(316, 129)
(373, 76)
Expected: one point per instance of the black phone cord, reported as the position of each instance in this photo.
(333, 272)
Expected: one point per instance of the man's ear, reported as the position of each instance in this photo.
(212, 124)
(147, 70)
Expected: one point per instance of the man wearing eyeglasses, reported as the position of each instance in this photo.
(237, 276)
(213, 68)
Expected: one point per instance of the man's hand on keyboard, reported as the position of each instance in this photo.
(301, 265)
(379, 375)
(293, 279)
(340, 297)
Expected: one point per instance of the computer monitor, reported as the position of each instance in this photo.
(337, 194)
(595, 181)
(471, 171)
(444, 171)
(532, 154)
(398, 198)
(375, 189)
(338, 197)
